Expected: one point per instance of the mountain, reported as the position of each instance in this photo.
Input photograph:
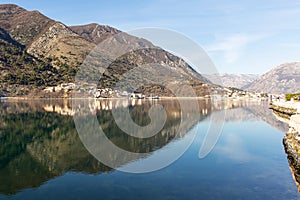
(24, 26)
(5, 37)
(232, 80)
(42, 36)
(146, 53)
(61, 50)
(20, 71)
(94, 32)
(282, 79)
(62, 45)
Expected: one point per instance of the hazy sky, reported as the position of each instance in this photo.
(250, 36)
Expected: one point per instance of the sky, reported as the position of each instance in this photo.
(250, 36)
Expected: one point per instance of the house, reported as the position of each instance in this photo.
(137, 96)
(67, 86)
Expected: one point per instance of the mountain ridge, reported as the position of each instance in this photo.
(94, 32)
(282, 79)
(231, 80)
(64, 49)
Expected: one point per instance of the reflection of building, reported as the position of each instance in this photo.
(65, 107)
(93, 105)
(62, 109)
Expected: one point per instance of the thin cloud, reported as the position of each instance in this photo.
(234, 149)
(290, 45)
(233, 46)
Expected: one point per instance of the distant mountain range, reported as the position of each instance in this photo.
(232, 80)
(282, 79)
(37, 52)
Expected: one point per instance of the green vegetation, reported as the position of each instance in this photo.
(288, 97)
(26, 69)
(21, 70)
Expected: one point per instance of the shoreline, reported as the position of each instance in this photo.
(113, 98)
(291, 140)
(70, 99)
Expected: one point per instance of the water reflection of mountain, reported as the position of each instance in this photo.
(38, 143)
(266, 114)
(38, 139)
(250, 111)
(36, 146)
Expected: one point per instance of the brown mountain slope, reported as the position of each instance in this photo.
(62, 45)
(148, 52)
(63, 49)
(94, 32)
(23, 26)
(44, 37)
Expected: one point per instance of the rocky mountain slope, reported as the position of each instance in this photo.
(232, 80)
(23, 26)
(282, 79)
(42, 36)
(63, 49)
(21, 72)
(147, 53)
(62, 45)
(95, 33)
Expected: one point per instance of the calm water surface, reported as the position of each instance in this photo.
(42, 157)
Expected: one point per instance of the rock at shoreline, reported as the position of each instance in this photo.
(291, 140)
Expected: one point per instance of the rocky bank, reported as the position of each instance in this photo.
(291, 140)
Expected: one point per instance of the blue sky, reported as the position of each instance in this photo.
(239, 36)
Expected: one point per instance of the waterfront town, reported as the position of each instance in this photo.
(227, 92)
